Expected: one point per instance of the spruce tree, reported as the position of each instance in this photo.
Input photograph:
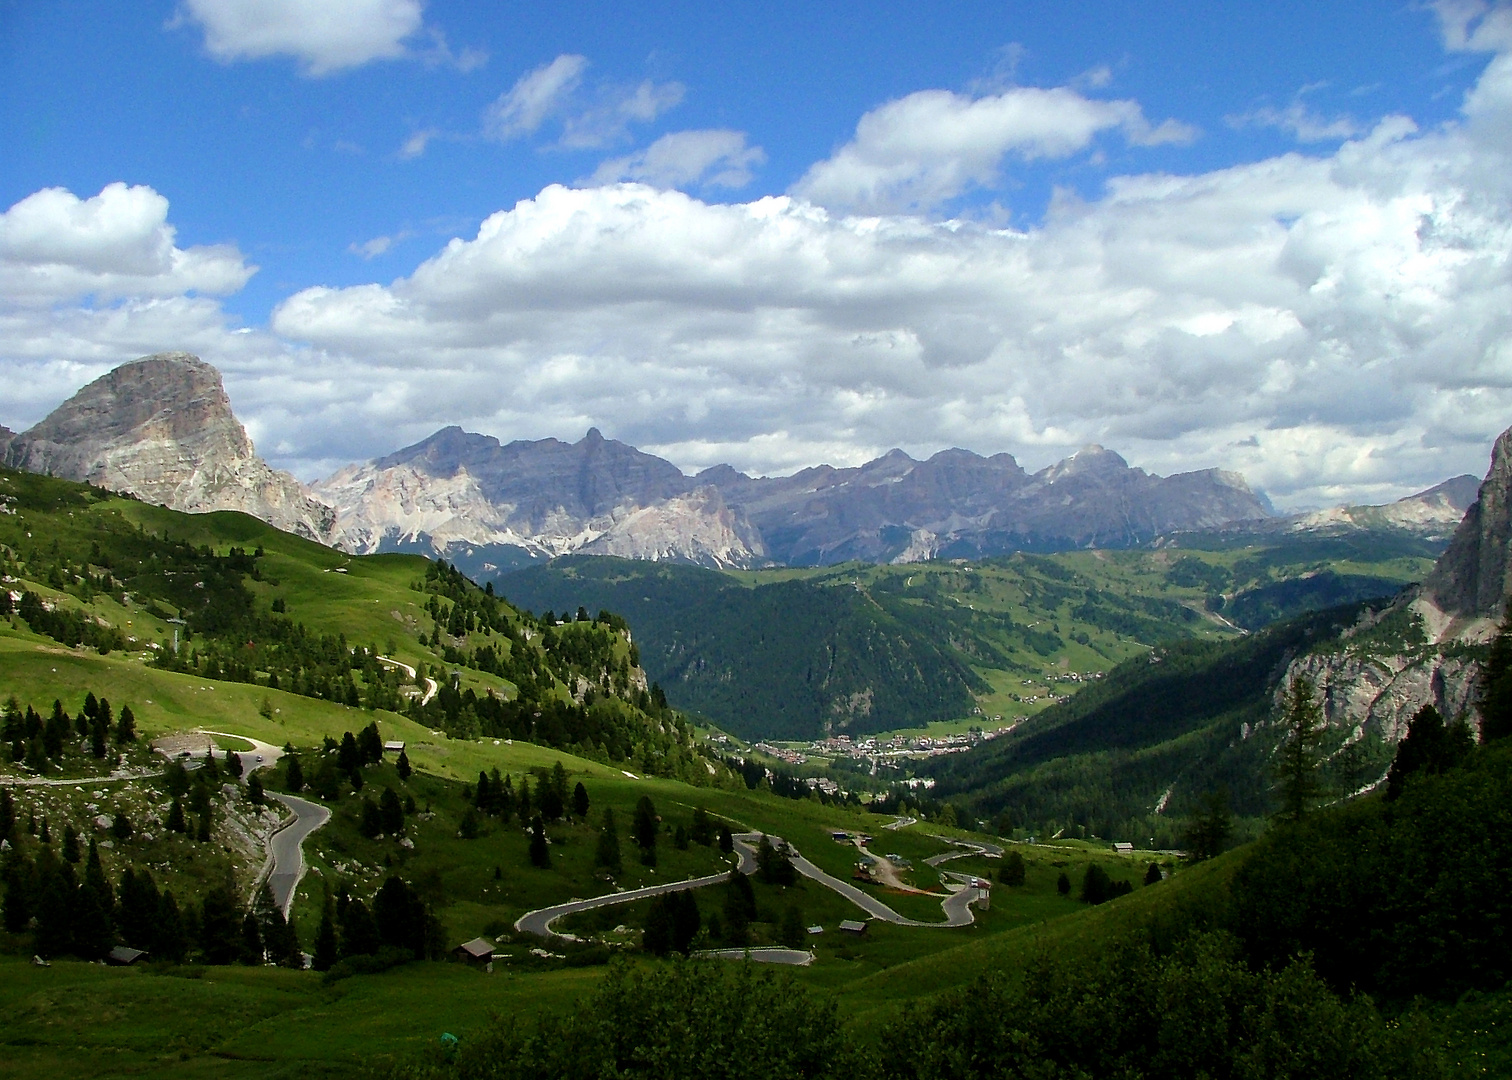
(71, 850)
(580, 801)
(1012, 872)
(1063, 884)
(1495, 704)
(233, 765)
(255, 794)
(126, 726)
(540, 853)
(170, 939)
(607, 854)
(792, 932)
(1297, 767)
(325, 938)
(658, 937)
(294, 780)
(402, 766)
(175, 822)
(391, 813)
(251, 941)
(1153, 876)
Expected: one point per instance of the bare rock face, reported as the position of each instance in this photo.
(1383, 693)
(161, 428)
(1462, 600)
(1471, 579)
(468, 497)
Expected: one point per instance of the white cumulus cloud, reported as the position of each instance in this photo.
(56, 247)
(931, 146)
(324, 37)
(716, 158)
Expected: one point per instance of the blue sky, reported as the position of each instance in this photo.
(1269, 238)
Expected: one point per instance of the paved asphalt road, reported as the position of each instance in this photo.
(957, 907)
(539, 922)
(972, 848)
(765, 954)
(287, 850)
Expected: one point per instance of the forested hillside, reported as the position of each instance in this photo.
(788, 660)
(861, 648)
(1134, 756)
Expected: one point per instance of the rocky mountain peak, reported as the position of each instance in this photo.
(161, 428)
(1471, 579)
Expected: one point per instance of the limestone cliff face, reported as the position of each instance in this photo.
(161, 428)
(457, 494)
(1471, 580)
(1462, 600)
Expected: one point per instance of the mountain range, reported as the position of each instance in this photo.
(162, 428)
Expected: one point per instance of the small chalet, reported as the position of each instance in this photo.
(1123, 848)
(393, 746)
(853, 926)
(478, 951)
(121, 956)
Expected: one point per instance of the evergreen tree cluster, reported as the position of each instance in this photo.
(40, 743)
(398, 926)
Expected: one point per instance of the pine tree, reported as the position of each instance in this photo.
(175, 822)
(1063, 884)
(71, 850)
(170, 940)
(233, 765)
(402, 766)
(1012, 872)
(1095, 883)
(607, 854)
(1153, 876)
(1208, 830)
(658, 936)
(1298, 760)
(1495, 704)
(126, 726)
(702, 831)
(1429, 747)
(251, 941)
(644, 827)
(294, 781)
(792, 932)
(540, 854)
(685, 919)
(325, 938)
(726, 840)
(580, 801)
(255, 794)
(391, 813)
(359, 933)
(468, 829)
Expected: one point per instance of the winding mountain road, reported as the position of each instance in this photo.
(430, 684)
(287, 847)
(957, 906)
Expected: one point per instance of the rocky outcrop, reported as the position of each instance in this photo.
(1462, 600)
(161, 428)
(1381, 694)
(1471, 580)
